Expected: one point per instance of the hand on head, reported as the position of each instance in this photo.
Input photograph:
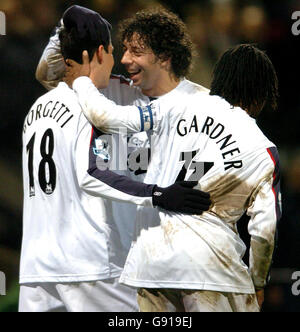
(75, 69)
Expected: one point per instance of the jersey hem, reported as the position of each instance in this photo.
(187, 285)
(68, 278)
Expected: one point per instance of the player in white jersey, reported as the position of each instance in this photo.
(71, 250)
(194, 263)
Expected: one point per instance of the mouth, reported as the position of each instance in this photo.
(133, 74)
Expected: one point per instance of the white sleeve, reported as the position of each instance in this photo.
(108, 117)
(264, 213)
(98, 181)
(51, 67)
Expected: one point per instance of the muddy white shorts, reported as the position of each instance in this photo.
(179, 300)
(98, 296)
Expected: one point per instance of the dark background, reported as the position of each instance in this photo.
(214, 25)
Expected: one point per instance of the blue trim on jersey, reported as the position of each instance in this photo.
(151, 116)
(142, 118)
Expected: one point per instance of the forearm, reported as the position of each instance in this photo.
(106, 115)
(94, 174)
(261, 253)
(51, 67)
(109, 185)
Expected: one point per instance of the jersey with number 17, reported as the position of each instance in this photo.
(198, 137)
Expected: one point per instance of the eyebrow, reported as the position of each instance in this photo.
(137, 49)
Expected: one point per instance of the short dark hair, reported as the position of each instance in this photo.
(245, 77)
(72, 45)
(165, 33)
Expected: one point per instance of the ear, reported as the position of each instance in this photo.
(166, 64)
(99, 54)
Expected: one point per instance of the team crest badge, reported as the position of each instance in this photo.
(101, 149)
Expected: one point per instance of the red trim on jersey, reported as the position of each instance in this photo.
(274, 162)
(92, 135)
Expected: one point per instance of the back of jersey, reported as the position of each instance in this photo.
(59, 242)
(202, 138)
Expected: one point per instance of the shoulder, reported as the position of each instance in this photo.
(193, 87)
(63, 95)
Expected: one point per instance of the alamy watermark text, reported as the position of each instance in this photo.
(2, 283)
(296, 284)
(296, 25)
(2, 23)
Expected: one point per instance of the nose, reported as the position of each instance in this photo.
(126, 58)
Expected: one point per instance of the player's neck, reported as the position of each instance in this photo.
(162, 86)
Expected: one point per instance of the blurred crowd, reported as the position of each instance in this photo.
(214, 25)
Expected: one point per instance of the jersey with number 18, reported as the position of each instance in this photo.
(71, 230)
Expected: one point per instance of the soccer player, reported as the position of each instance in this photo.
(51, 70)
(194, 263)
(71, 250)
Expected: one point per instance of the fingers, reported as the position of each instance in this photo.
(197, 193)
(85, 58)
(197, 206)
(188, 184)
(71, 63)
(196, 197)
(192, 184)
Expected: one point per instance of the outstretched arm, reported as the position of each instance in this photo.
(96, 179)
(101, 112)
(108, 117)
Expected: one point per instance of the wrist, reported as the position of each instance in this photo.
(156, 195)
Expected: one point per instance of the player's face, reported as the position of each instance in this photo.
(143, 67)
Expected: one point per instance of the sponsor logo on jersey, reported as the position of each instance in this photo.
(49, 189)
(101, 149)
(134, 142)
(31, 191)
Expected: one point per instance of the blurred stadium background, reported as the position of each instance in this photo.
(214, 25)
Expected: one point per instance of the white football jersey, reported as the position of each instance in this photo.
(50, 72)
(70, 232)
(116, 227)
(198, 137)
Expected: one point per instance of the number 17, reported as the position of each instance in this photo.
(199, 168)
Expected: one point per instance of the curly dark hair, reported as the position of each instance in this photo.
(165, 33)
(245, 77)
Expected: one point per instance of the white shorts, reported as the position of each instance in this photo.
(98, 296)
(179, 300)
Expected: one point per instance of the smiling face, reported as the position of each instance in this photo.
(144, 68)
